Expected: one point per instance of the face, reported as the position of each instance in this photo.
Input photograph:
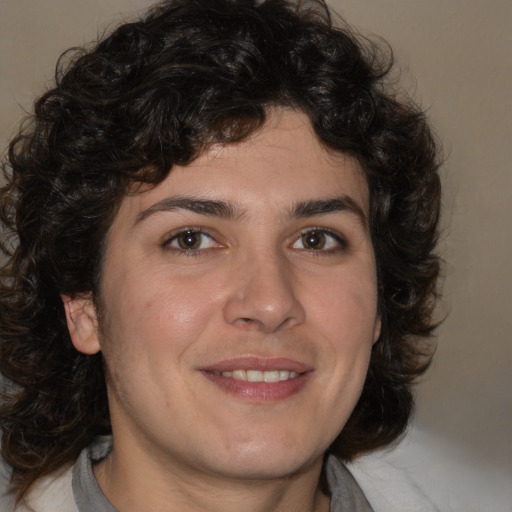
(238, 307)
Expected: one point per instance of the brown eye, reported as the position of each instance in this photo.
(313, 240)
(190, 240)
(319, 240)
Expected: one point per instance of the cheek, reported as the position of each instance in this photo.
(346, 306)
(158, 312)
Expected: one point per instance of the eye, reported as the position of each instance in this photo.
(319, 240)
(191, 240)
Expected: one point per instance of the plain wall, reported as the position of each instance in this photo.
(456, 59)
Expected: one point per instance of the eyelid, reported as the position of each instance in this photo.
(336, 235)
(200, 230)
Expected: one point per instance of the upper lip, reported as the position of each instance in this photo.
(258, 363)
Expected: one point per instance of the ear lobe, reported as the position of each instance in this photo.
(82, 322)
(377, 329)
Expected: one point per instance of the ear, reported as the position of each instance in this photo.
(82, 322)
(377, 329)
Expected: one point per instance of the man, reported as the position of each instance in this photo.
(222, 233)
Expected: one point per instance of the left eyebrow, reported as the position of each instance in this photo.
(326, 206)
(192, 204)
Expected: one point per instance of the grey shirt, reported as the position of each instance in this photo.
(346, 495)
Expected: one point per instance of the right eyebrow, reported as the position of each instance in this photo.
(342, 203)
(199, 205)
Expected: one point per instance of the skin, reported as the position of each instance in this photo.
(265, 281)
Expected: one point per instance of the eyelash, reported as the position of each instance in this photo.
(340, 243)
(195, 231)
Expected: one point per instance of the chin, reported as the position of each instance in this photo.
(268, 464)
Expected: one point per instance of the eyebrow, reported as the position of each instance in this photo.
(324, 206)
(193, 204)
(226, 210)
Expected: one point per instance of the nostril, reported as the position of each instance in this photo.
(247, 323)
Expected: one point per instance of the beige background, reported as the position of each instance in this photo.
(460, 53)
(456, 58)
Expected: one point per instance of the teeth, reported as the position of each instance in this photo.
(239, 374)
(254, 376)
(272, 376)
(259, 376)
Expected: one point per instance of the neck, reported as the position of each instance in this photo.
(145, 485)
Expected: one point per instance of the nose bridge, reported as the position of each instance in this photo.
(263, 295)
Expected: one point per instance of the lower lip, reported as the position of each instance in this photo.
(259, 392)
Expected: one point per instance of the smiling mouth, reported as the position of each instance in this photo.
(258, 375)
(259, 380)
(259, 386)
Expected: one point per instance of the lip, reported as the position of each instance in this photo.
(258, 392)
(258, 363)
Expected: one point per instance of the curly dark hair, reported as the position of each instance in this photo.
(156, 93)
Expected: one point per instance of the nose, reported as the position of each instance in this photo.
(263, 296)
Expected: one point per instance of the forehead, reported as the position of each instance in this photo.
(282, 164)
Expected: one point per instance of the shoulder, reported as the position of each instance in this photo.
(427, 472)
(50, 494)
(387, 487)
